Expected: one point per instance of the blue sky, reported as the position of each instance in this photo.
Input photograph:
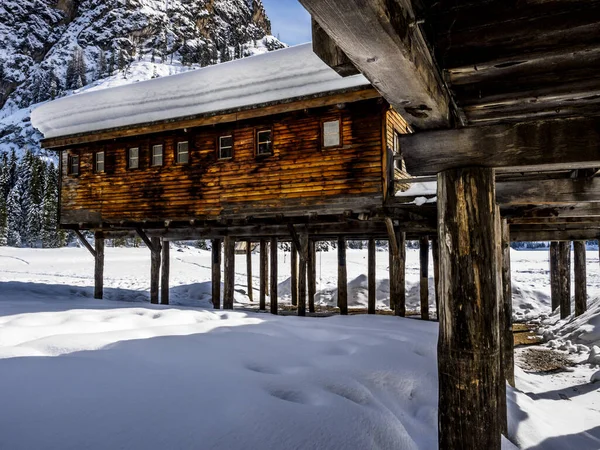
(290, 20)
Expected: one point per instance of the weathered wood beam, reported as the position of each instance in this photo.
(229, 273)
(342, 282)
(249, 270)
(274, 308)
(84, 242)
(326, 49)
(554, 235)
(424, 281)
(506, 326)
(99, 266)
(304, 257)
(435, 250)
(155, 251)
(294, 273)
(548, 192)
(165, 270)
(311, 269)
(580, 278)
(147, 240)
(216, 273)
(384, 41)
(564, 271)
(264, 258)
(554, 275)
(558, 212)
(371, 304)
(397, 269)
(544, 145)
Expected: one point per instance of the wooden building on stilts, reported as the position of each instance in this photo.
(496, 102)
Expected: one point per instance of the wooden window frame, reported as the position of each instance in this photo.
(103, 152)
(162, 155)
(322, 132)
(223, 136)
(177, 142)
(70, 156)
(257, 131)
(129, 158)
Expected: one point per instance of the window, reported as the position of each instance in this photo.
(183, 155)
(157, 155)
(99, 162)
(398, 162)
(226, 147)
(133, 158)
(74, 164)
(331, 134)
(263, 142)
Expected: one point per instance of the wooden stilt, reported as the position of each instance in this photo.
(506, 327)
(424, 285)
(342, 277)
(216, 273)
(502, 323)
(371, 277)
(397, 244)
(311, 269)
(564, 268)
(264, 257)
(274, 275)
(435, 250)
(294, 274)
(554, 275)
(267, 284)
(99, 267)
(154, 269)
(580, 278)
(164, 276)
(249, 270)
(229, 273)
(392, 250)
(469, 343)
(302, 274)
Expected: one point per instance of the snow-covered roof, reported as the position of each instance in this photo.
(272, 77)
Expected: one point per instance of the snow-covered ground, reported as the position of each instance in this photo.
(120, 373)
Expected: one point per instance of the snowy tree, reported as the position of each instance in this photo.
(50, 235)
(76, 70)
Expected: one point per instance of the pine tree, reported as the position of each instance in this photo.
(102, 67)
(76, 70)
(51, 237)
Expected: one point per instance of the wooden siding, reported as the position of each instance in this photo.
(298, 178)
(396, 124)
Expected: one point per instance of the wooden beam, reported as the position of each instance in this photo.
(264, 257)
(148, 241)
(545, 145)
(84, 242)
(554, 275)
(342, 283)
(562, 191)
(506, 327)
(304, 256)
(294, 273)
(580, 278)
(564, 271)
(469, 344)
(372, 277)
(229, 273)
(154, 269)
(274, 308)
(424, 284)
(216, 273)
(165, 269)
(554, 235)
(249, 269)
(384, 41)
(326, 49)
(311, 269)
(435, 250)
(99, 267)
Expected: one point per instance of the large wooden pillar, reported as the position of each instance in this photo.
(264, 257)
(229, 273)
(294, 274)
(397, 249)
(580, 278)
(469, 343)
(216, 273)
(302, 274)
(164, 276)
(435, 250)
(424, 285)
(311, 269)
(274, 275)
(99, 266)
(554, 275)
(342, 277)
(372, 277)
(249, 270)
(154, 269)
(564, 270)
(506, 328)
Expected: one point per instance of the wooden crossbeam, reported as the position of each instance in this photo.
(85, 243)
(147, 240)
(541, 192)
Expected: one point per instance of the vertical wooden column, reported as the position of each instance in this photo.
(564, 270)
(506, 326)
(372, 277)
(555, 289)
(424, 285)
(435, 250)
(342, 277)
(264, 258)
(267, 252)
(294, 274)
(312, 275)
(469, 344)
(398, 273)
(249, 270)
(154, 269)
(99, 266)
(392, 270)
(216, 273)
(229, 273)
(274, 275)
(302, 274)
(164, 273)
(580, 278)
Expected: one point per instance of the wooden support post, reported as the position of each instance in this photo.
(554, 275)
(564, 268)
(392, 249)
(311, 269)
(294, 274)
(229, 273)
(267, 284)
(342, 277)
(372, 278)
(216, 273)
(274, 275)
(506, 327)
(469, 343)
(435, 250)
(302, 274)
(424, 285)
(154, 269)
(262, 305)
(249, 269)
(164, 277)
(99, 267)
(580, 278)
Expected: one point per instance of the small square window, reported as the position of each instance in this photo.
(134, 158)
(398, 162)
(183, 155)
(226, 147)
(331, 133)
(74, 164)
(157, 155)
(99, 162)
(264, 143)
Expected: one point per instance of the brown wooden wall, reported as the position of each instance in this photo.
(300, 176)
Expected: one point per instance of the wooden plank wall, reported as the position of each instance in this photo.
(395, 123)
(300, 176)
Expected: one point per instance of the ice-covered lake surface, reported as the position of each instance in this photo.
(121, 373)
